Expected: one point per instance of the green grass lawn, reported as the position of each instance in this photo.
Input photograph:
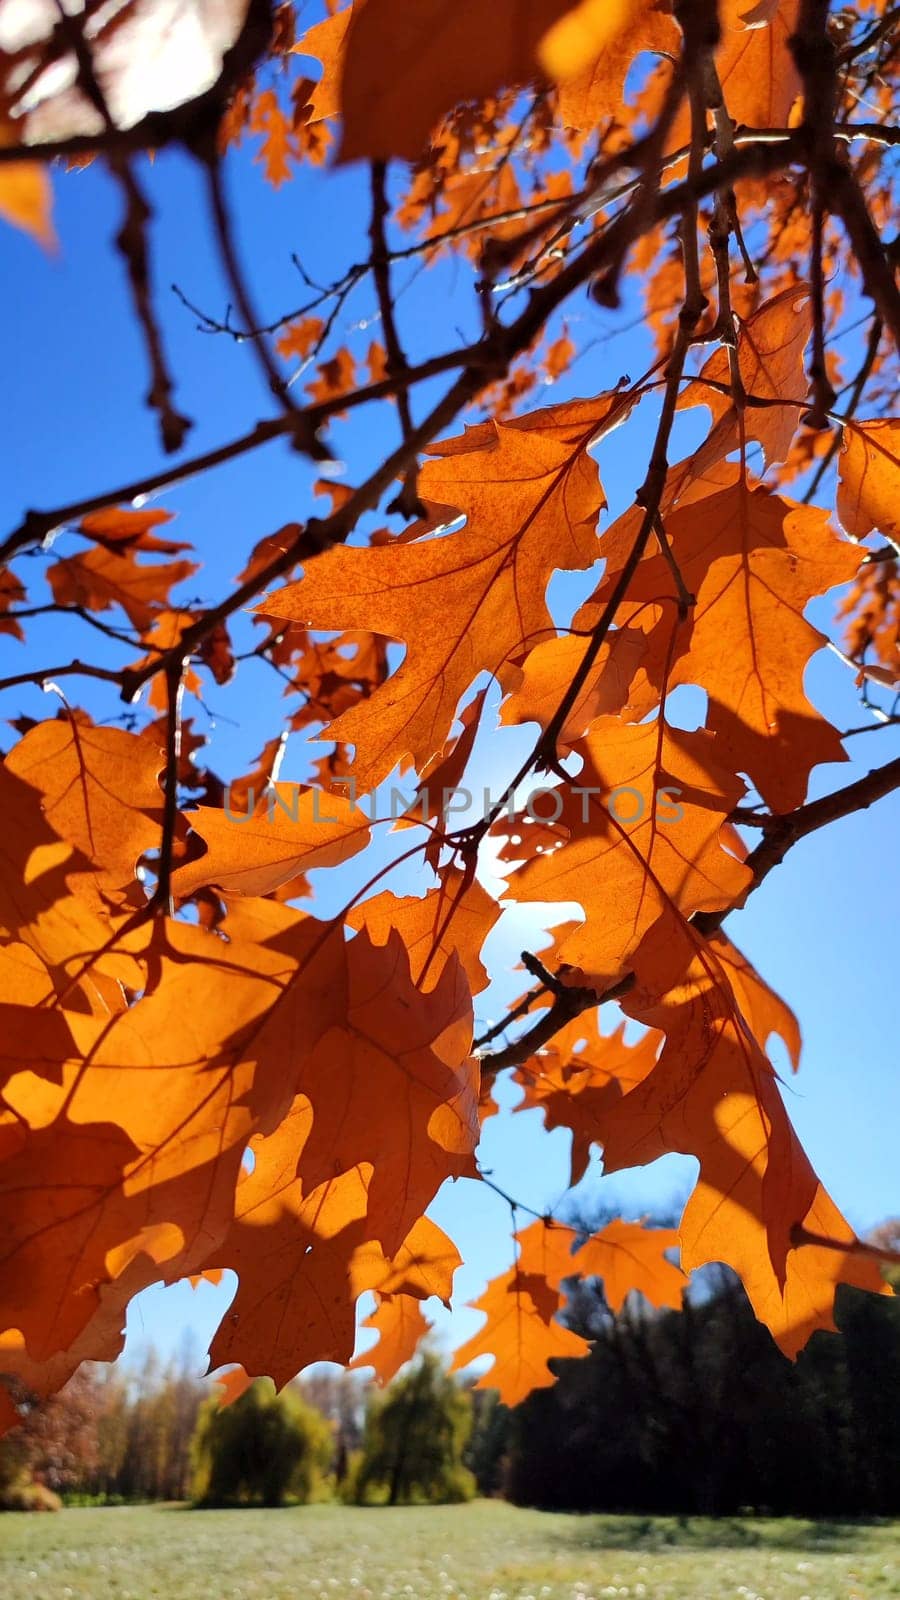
(486, 1551)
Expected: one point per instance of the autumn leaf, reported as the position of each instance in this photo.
(50, 900)
(713, 1094)
(99, 789)
(408, 1048)
(531, 496)
(163, 1175)
(765, 1011)
(585, 34)
(232, 1384)
(401, 1327)
(755, 67)
(770, 349)
(278, 144)
(752, 561)
(644, 833)
(126, 528)
(300, 338)
(442, 776)
(454, 58)
(573, 1081)
(304, 1254)
(627, 1256)
(291, 829)
(101, 578)
(12, 594)
(755, 63)
(868, 477)
(521, 1333)
(549, 669)
(62, 1199)
(26, 198)
(327, 42)
(452, 920)
(336, 376)
(594, 90)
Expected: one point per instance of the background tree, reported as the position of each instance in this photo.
(414, 1442)
(261, 1450)
(543, 177)
(697, 1414)
(57, 1446)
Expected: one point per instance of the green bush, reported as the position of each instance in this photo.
(262, 1450)
(414, 1440)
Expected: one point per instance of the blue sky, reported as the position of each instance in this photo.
(822, 930)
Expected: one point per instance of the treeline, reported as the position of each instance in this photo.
(698, 1413)
(689, 1413)
(159, 1433)
(112, 1434)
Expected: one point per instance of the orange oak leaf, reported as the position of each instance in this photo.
(869, 478)
(872, 610)
(244, 792)
(63, 1207)
(101, 1340)
(454, 58)
(269, 548)
(165, 633)
(300, 338)
(455, 918)
(278, 140)
(126, 528)
(304, 1254)
(101, 578)
(217, 654)
(813, 1274)
(395, 1045)
(231, 1385)
(755, 64)
(327, 42)
(770, 349)
(626, 1255)
(26, 197)
(574, 1080)
(521, 1333)
(550, 668)
(643, 833)
(335, 376)
(401, 1327)
(594, 91)
(752, 561)
(713, 1094)
(443, 775)
(12, 593)
(99, 789)
(290, 829)
(531, 496)
(193, 1068)
(50, 899)
(423, 1266)
(765, 1011)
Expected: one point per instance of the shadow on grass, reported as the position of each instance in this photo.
(592, 1532)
